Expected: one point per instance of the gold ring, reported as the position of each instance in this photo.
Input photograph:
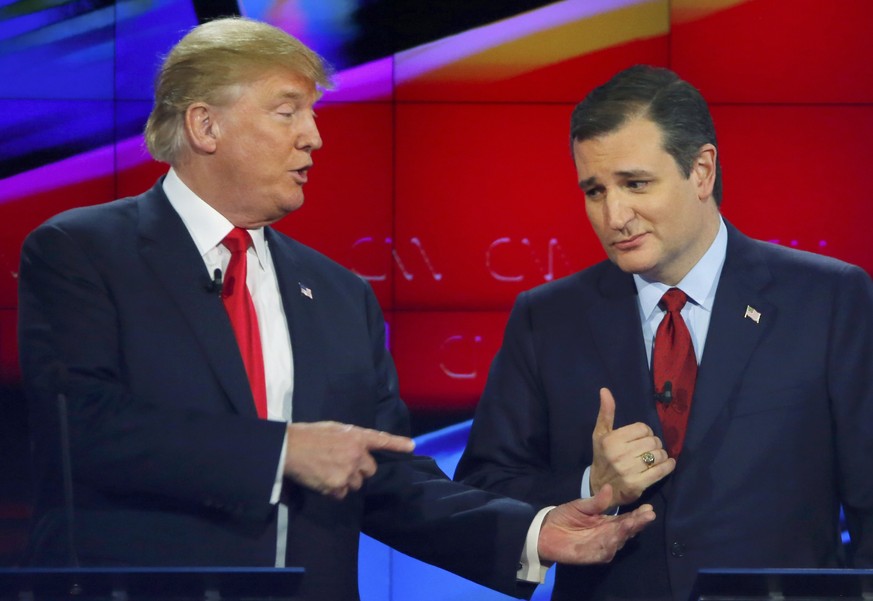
(648, 458)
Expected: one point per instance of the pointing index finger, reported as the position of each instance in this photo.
(383, 441)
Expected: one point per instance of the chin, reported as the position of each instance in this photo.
(636, 267)
(292, 204)
(624, 260)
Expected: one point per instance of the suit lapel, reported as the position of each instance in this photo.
(167, 248)
(301, 311)
(732, 337)
(730, 340)
(615, 322)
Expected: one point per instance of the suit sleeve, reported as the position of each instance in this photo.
(70, 342)
(850, 384)
(509, 448)
(412, 506)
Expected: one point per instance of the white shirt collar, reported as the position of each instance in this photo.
(699, 284)
(207, 226)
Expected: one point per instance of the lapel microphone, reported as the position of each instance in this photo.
(665, 396)
(217, 284)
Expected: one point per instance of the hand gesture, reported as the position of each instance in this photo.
(630, 458)
(333, 458)
(578, 532)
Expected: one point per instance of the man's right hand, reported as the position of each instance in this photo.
(618, 456)
(333, 458)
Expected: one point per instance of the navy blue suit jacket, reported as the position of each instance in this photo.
(780, 431)
(171, 465)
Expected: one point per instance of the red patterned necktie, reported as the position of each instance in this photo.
(243, 318)
(674, 366)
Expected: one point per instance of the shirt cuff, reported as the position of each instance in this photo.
(530, 568)
(585, 493)
(280, 472)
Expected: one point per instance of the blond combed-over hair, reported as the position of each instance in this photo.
(213, 60)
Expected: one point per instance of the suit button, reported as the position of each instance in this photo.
(677, 549)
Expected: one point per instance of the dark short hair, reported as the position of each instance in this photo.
(659, 95)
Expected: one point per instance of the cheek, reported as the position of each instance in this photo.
(592, 212)
(595, 218)
(655, 211)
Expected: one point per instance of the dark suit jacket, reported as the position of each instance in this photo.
(780, 432)
(171, 465)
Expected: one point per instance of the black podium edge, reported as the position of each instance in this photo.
(724, 584)
(171, 583)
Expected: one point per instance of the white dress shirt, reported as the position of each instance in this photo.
(699, 285)
(208, 228)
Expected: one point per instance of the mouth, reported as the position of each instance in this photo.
(301, 176)
(630, 243)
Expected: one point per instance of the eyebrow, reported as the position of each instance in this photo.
(626, 174)
(291, 95)
(587, 183)
(634, 173)
(294, 95)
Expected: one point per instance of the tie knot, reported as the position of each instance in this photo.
(673, 300)
(238, 240)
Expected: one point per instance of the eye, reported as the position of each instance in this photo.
(593, 193)
(637, 185)
(287, 110)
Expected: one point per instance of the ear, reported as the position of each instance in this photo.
(703, 171)
(201, 127)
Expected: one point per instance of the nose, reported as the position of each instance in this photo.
(309, 138)
(618, 212)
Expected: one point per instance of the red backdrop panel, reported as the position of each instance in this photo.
(347, 213)
(443, 357)
(776, 50)
(486, 204)
(791, 176)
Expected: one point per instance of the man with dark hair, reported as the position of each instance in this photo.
(726, 381)
(673, 104)
(231, 401)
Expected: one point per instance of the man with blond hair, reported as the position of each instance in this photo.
(231, 400)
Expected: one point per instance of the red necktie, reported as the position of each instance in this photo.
(674, 362)
(243, 318)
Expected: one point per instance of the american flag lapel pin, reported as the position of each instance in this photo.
(305, 290)
(752, 314)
